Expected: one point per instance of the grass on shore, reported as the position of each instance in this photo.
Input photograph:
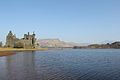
(5, 53)
(11, 51)
(22, 49)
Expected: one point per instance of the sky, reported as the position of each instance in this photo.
(80, 21)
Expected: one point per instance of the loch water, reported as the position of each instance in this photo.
(68, 64)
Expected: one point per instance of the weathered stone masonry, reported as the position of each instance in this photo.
(27, 42)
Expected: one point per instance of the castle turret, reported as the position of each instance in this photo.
(10, 33)
(28, 33)
(10, 39)
(29, 39)
(27, 42)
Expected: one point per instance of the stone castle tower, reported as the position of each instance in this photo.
(27, 42)
(10, 39)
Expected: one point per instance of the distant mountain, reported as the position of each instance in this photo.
(106, 41)
(45, 43)
(79, 44)
(84, 44)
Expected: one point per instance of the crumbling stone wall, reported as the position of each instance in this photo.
(27, 42)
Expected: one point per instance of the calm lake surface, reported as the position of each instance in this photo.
(70, 64)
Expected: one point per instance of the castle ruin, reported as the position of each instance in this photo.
(27, 42)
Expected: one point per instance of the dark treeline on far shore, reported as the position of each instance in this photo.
(1, 44)
(114, 45)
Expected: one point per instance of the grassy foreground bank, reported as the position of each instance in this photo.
(21, 49)
(5, 53)
(11, 51)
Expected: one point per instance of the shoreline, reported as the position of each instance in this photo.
(21, 49)
(6, 53)
(12, 51)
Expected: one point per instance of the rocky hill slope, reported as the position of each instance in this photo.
(55, 43)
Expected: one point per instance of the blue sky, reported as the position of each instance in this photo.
(82, 21)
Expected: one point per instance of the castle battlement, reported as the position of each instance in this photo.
(28, 41)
